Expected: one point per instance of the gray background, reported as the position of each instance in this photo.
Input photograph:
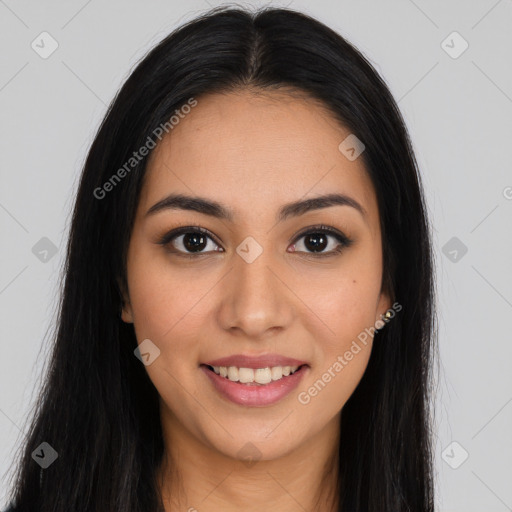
(458, 111)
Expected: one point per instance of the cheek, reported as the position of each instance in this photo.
(352, 309)
(346, 306)
(341, 304)
(162, 299)
(343, 350)
(165, 307)
(324, 395)
(155, 310)
(169, 306)
(349, 312)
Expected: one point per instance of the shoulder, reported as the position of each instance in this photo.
(10, 508)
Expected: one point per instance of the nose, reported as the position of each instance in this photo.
(255, 299)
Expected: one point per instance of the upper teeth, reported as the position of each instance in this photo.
(258, 375)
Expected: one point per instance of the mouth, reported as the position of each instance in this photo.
(255, 376)
(254, 387)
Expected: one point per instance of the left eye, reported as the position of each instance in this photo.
(316, 239)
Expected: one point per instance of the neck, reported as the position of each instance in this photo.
(196, 477)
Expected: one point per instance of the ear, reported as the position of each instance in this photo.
(126, 308)
(383, 305)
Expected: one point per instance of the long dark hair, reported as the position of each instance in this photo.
(97, 407)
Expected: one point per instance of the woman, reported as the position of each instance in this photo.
(247, 314)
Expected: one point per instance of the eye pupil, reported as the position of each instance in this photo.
(315, 241)
(194, 242)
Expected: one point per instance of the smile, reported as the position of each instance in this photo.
(255, 387)
(259, 376)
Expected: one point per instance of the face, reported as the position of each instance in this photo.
(270, 284)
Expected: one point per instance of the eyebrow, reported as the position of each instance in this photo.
(219, 211)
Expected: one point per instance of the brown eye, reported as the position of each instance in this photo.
(317, 240)
(191, 240)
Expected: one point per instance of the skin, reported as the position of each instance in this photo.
(253, 153)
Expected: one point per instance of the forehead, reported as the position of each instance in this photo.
(249, 150)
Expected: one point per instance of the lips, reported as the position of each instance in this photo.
(254, 395)
(254, 362)
(251, 393)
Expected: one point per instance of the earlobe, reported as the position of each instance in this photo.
(126, 309)
(383, 306)
(126, 313)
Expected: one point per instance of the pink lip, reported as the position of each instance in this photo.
(255, 395)
(243, 361)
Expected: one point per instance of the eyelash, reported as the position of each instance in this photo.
(343, 241)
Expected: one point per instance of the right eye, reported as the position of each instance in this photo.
(189, 241)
